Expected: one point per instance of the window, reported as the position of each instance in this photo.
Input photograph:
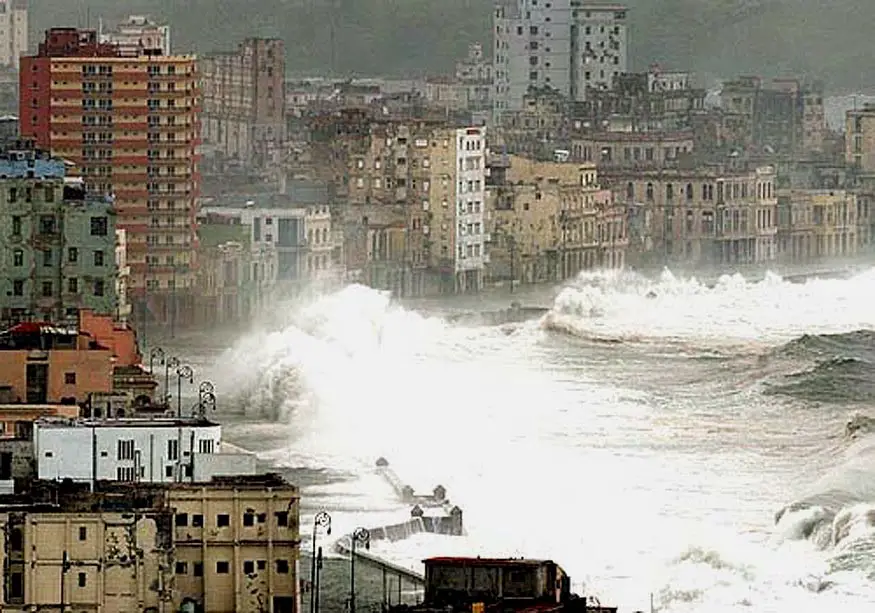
(181, 519)
(261, 518)
(98, 226)
(198, 569)
(83, 579)
(16, 540)
(124, 473)
(98, 258)
(248, 567)
(282, 518)
(223, 520)
(73, 285)
(197, 521)
(99, 287)
(47, 224)
(69, 378)
(248, 519)
(18, 257)
(222, 568)
(173, 450)
(16, 223)
(50, 194)
(205, 446)
(47, 257)
(16, 585)
(126, 449)
(282, 567)
(72, 255)
(83, 533)
(182, 568)
(47, 289)
(18, 287)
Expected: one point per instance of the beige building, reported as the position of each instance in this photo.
(320, 243)
(415, 223)
(632, 150)
(704, 216)
(860, 142)
(550, 220)
(244, 101)
(229, 546)
(13, 32)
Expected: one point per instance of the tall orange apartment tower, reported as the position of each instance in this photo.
(130, 127)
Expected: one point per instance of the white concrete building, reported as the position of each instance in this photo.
(566, 45)
(123, 275)
(470, 208)
(138, 34)
(13, 32)
(162, 450)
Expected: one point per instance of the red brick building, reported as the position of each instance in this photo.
(130, 127)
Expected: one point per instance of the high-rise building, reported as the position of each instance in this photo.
(13, 31)
(58, 242)
(130, 127)
(138, 35)
(244, 100)
(566, 45)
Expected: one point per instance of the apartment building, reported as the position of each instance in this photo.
(138, 35)
(784, 116)
(703, 216)
(58, 241)
(13, 32)
(415, 220)
(130, 126)
(551, 220)
(244, 102)
(624, 151)
(567, 45)
(220, 546)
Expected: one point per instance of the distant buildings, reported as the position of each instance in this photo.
(244, 102)
(130, 126)
(565, 45)
(13, 32)
(59, 242)
(138, 36)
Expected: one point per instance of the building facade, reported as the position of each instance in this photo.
(130, 126)
(221, 546)
(138, 35)
(159, 450)
(708, 216)
(551, 220)
(565, 45)
(13, 32)
(58, 242)
(244, 101)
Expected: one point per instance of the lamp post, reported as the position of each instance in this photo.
(361, 535)
(207, 402)
(183, 372)
(156, 353)
(171, 362)
(322, 520)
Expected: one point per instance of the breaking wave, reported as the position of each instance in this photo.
(839, 517)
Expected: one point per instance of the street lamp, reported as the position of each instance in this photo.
(206, 402)
(172, 362)
(183, 372)
(322, 520)
(206, 387)
(156, 353)
(363, 536)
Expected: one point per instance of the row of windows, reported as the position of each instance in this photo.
(47, 289)
(223, 520)
(99, 257)
(224, 567)
(48, 224)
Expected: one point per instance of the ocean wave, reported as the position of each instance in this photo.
(840, 518)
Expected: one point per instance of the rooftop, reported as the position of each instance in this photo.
(127, 422)
(463, 561)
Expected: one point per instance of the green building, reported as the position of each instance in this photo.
(57, 243)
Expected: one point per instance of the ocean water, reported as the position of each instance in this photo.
(655, 436)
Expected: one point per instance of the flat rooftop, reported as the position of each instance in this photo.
(127, 422)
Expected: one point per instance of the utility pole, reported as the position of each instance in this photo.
(173, 304)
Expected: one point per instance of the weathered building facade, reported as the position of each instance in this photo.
(244, 101)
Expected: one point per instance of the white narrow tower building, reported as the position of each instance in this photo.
(13, 31)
